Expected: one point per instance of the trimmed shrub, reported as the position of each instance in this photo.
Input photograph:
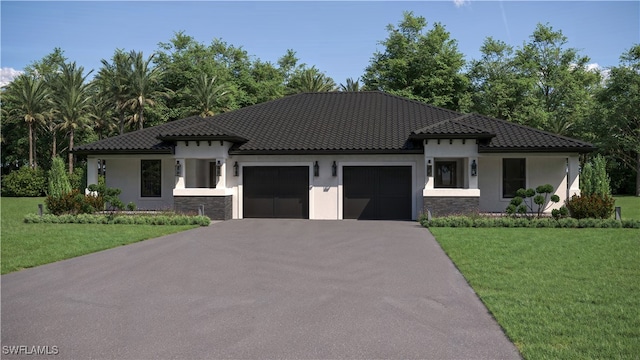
(24, 182)
(591, 206)
(59, 184)
(124, 219)
(594, 179)
(525, 200)
(510, 222)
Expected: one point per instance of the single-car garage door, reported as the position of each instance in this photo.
(276, 192)
(377, 192)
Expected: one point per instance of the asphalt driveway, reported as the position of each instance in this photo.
(256, 289)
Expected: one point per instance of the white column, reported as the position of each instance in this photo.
(473, 180)
(92, 170)
(573, 176)
(429, 180)
(180, 181)
(222, 182)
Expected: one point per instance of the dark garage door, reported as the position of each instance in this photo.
(377, 192)
(276, 192)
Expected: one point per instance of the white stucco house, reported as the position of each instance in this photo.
(334, 155)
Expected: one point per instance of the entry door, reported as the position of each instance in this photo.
(276, 192)
(377, 192)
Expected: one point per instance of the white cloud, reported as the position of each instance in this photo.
(7, 75)
(604, 72)
(460, 3)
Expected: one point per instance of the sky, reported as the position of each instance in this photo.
(339, 38)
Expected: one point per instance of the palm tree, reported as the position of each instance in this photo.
(352, 85)
(112, 80)
(71, 98)
(100, 111)
(142, 86)
(311, 80)
(30, 95)
(206, 94)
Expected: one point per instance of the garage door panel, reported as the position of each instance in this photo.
(276, 192)
(381, 192)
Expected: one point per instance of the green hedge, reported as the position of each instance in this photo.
(119, 219)
(465, 221)
(25, 182)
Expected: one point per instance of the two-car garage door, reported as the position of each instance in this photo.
(369, 192)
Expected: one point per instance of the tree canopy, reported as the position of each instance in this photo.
(543, 83)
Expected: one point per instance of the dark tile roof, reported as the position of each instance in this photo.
(337, 122)
(455, 128)
(512, 137)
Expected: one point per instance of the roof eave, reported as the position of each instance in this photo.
(581, 150)
(326, 152)
(164, 151)
(450, 136)
(234, 139)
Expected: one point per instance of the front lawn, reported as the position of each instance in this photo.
(29, 245)
(629, 206)
(557, 293)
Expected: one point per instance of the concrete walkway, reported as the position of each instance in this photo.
(255, 289)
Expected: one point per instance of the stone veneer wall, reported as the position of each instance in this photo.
(215, 207)
(443, 205)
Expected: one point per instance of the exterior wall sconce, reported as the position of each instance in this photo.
(316, 169)
(218, 168)
(334, 169)
(429, 168)
(178, 168)
(236, 169)
(474, 168)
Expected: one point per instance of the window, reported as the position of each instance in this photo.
(446, 174)
(151, 178)
(514, 176)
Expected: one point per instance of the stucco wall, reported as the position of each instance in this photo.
(123, 172)
(540, 169)
(325, 191)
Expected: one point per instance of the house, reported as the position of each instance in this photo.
(335, 155)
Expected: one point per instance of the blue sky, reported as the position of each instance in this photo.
(339, 38)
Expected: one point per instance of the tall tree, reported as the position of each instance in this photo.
(142, 86)
(205, 94)
(310, 80)
(101, 114)
(351, 85)
(112, 82)
(561, 86)
(423, 65)
(617, 123)
(71, 98)
(29, 96)
(497, 86)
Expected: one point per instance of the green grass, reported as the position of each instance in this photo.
(28, 245)
(557, 293)
(630, 206)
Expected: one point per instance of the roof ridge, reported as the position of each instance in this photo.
(457, 120)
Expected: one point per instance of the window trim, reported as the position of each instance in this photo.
(142, 178)
(523, 178)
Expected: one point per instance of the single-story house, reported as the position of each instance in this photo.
(335, 155)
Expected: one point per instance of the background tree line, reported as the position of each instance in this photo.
(543, 83)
